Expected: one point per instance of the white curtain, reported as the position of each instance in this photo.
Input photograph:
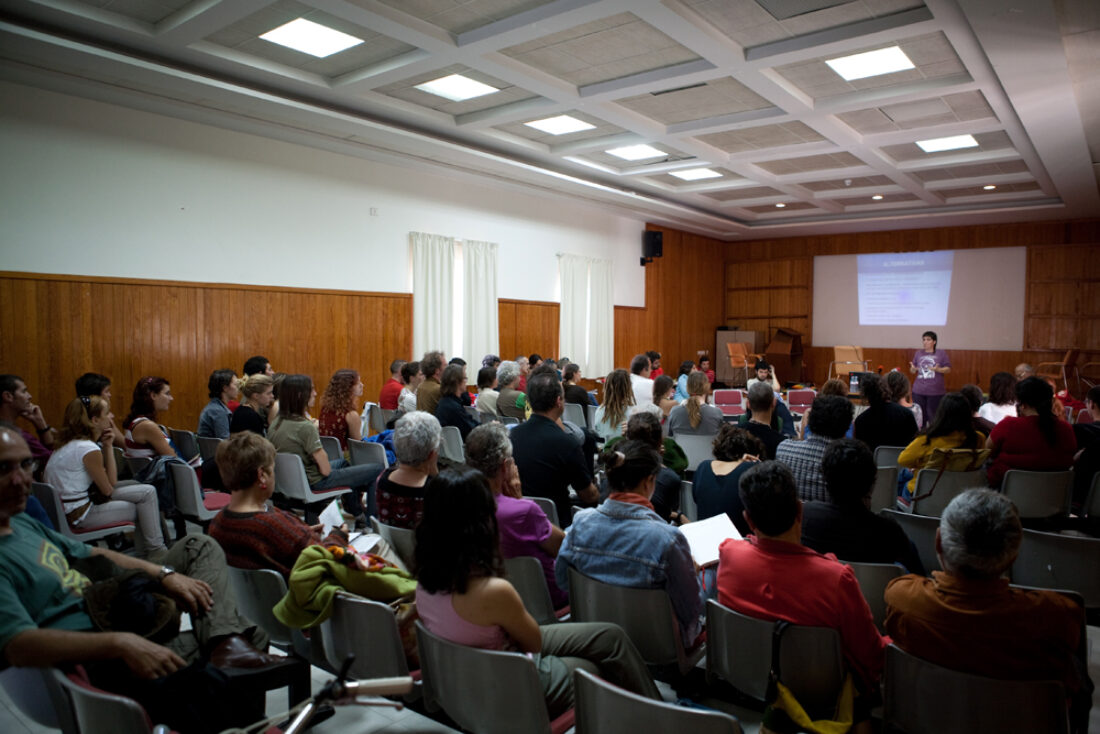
(573, 313)
(433, 291)
(601, 319)
(480, 327)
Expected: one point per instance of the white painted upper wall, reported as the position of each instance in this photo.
(96, 189)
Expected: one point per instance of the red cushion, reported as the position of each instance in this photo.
(330, 490)
(563, 723)
(215, 500)
(122, 525)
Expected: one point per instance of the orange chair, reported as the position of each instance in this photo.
(741, 358)
(847, 359)
(1060, 370)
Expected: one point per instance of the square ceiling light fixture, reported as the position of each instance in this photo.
(560, 125)
(636, 152)
(456, 88)
(936, 145)
(696, 174)
(871, 63)
(311, 38)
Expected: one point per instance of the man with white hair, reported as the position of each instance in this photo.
(968, 618)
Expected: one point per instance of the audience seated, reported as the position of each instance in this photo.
(487, 391)
(15, 403)
(490, 360)
(462, 597)
(258, 391)
(391, 390)
(845, 525)
(715, 483)
(831, 387)
(951, 428)
(1023, 371)
(258, 365)
(640, 381)
(1035, 440)
(47, 618)
(82, 470)
(524, 528)
(93, 383)
(293, 433)
(968, 618)
(829, 419)
(1002, 398)
(644, 426)
(771, 575)
(663, 390)
(524, 368)
(214, 420)
(884, 423)
(618, 404)
(686, 368)
(512, 402)
(144, 438)
(654, 363)
(1087, 460)
(765, 374)
(412, 377)
(704, 367)
(901, 392)
(974, 398)
(427, 395)
(549, 458)
(399, 494)
(339, 415)
(450, 410)
(574, 393)
(761, 420)
(252, 532)
(624, 542)
(695, 417)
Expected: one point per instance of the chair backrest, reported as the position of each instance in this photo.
(290, 477)
(373, 421)
(644, 614)
(99, 712)
(367, 452)
(697, 448)
(368, 630)
(526, 575)
(799, 400)
(208, 447)
(137, 464)
(1055, 561)
(38, 695)
(185, 442)
(1091, 508)
(922, 531)
(1084, 416)
(122, 465)
(884, 492)
(495, 693)
(948, 485)
(847, 359)
(729, 397)
(257, 592)
(811, 662)
(1039, 493)
(331, 445)
(451, 445)
(590, 414)
(687, 501)
(387, 416)
(473, 412)
(188, 492)
(920, 697)
(888, 455)
(603, 708)
(549, 508)
(50, 499)
(872, 578)
(575, 414)
(402, 540)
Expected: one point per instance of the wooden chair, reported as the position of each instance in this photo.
(846, 360)
(741, 358)
(1060, 370)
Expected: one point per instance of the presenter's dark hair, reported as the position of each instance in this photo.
(935, 339)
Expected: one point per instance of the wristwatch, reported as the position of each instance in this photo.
(165, 572)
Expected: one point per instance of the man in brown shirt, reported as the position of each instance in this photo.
(427, 395)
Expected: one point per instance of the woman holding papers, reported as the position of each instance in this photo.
(625, 543)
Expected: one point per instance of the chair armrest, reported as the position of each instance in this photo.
(1057, 365)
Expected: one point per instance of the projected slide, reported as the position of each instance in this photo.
(904, 289)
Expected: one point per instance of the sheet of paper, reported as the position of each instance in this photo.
(365, 542)
(331, 518)
(704, 537)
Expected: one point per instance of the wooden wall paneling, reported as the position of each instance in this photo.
(506, 325)
(526, 327)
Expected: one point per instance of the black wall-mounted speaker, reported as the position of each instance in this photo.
(652, 244)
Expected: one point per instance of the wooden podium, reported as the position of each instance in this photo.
(785, 355)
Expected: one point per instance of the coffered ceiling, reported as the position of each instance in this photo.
(738, 87)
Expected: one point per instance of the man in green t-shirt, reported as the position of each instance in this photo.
(43, 619)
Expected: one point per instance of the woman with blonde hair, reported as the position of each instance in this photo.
(695, 417)
(258, 391)
(82, 470)
(618, 402)
(339, 408)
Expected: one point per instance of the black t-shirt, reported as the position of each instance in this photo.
(768, 436)
(549, 462)
(450, 412)
(246, 419)
(716, 494)
(888, 424)
(577, 394)
(857, 534)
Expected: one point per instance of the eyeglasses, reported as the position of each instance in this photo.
(29, 467)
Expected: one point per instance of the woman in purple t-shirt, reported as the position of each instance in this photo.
(930, 364)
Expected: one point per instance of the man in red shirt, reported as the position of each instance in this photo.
(391, 391)
(771, 575)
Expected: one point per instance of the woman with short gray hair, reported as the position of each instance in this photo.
(980, 534)
(523, 526)
(399, 493)
(511, 403)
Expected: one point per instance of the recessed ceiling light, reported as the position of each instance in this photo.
(780, 206)
(636, 152)
(877, 197)
(311, 38)
(456, 88)
(989, 187)
(560, 125)
(871, 63)
(696, 174)
(935, 145)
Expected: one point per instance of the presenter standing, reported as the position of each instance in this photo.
(930, 364)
